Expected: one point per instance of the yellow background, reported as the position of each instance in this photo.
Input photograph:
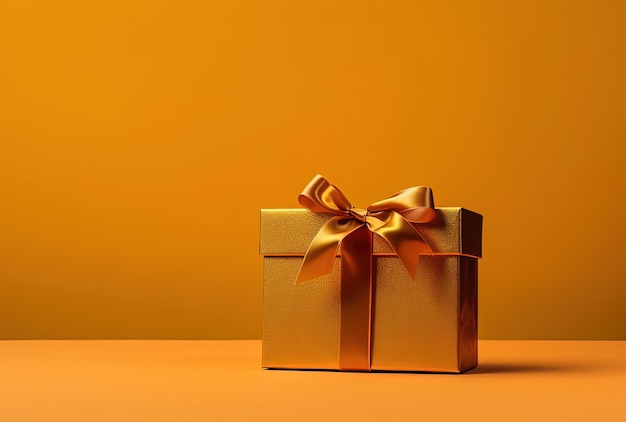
(138, 140)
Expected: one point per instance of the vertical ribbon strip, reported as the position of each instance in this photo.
(351, 229)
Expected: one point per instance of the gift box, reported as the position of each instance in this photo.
(389, 288)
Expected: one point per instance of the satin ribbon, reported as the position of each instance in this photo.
(391, 219)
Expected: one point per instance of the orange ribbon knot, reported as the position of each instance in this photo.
(390, 218)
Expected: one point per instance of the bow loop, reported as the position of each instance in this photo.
(416, 204)
(320, 196)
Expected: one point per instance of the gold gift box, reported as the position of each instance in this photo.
(428, 324)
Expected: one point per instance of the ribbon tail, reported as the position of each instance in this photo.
(403, 238)
(320, 256)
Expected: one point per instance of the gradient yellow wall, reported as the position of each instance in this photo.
(138, 140)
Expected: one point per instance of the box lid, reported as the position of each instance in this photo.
(289, 231)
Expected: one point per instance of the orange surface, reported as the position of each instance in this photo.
(222, 380)
(129, 129)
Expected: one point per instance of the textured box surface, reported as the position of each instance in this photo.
(426, 324)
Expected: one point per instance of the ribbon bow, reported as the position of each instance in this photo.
(390, 218)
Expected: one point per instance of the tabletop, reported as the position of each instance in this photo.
(208, 380)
